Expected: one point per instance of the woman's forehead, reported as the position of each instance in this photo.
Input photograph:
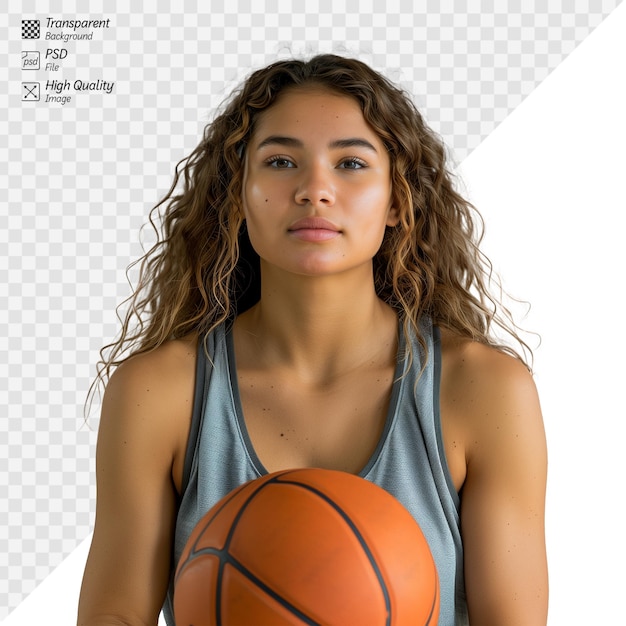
(312, 110)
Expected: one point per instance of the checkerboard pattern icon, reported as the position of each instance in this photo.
(30, 29)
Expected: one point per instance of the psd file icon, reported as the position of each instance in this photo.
(30, 29)
(31, 60)
(30, 92)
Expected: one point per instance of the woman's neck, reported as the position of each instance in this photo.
(319, 327)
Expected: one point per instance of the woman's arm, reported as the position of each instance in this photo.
(143, 427)
(503, 496)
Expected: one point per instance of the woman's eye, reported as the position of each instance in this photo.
(279, 162)
(352, 164)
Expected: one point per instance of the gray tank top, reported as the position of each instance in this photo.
(409, 459)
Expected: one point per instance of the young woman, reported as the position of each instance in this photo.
(318, 300)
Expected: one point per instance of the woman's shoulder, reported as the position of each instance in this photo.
(153, 389)
(147, 407)
(159, 370)
(483, 386)
(490, 409)
(470, 362)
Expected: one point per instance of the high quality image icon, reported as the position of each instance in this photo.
(30, 92)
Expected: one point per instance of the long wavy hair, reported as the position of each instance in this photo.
(203, 271)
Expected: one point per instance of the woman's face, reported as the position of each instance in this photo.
(317, 185)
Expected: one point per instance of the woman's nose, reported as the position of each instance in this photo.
(316, 187)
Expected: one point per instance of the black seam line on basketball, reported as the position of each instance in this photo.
(229, 537)
(193, 550)
(228, 559)
(360, 538)
(244, 506)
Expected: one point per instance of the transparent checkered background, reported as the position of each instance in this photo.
(77, 182)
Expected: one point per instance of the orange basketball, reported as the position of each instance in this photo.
(307, 546)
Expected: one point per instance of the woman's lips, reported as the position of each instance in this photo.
(314, 229)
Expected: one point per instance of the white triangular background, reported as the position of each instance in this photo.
(549, 183)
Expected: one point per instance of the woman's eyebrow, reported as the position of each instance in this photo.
(352, 142)
(292, 142)
(279, 140)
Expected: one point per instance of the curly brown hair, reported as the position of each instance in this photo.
(203, 271)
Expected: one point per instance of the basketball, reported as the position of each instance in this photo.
(307, 546)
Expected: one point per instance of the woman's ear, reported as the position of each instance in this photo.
(393, 217)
